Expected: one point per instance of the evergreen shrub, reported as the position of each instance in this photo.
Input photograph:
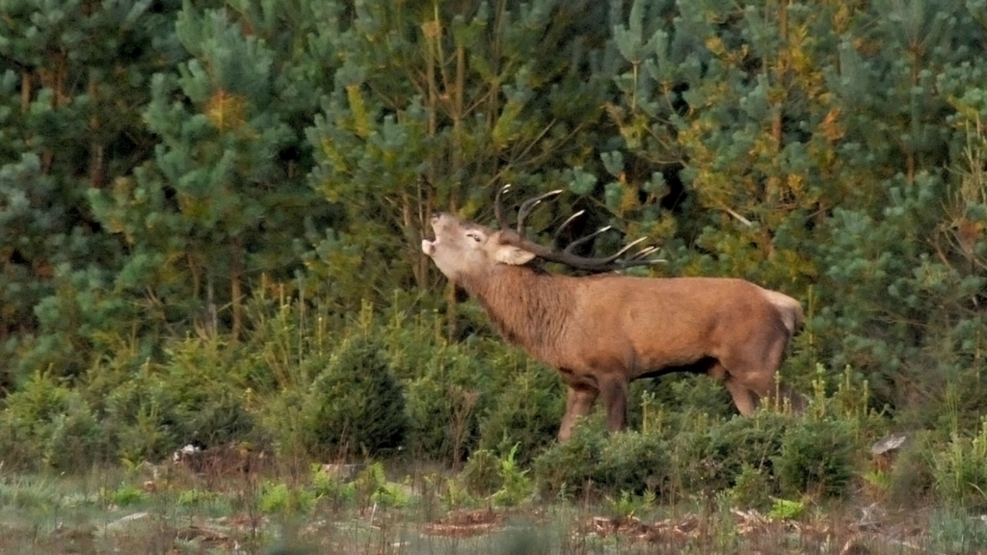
(192, 395)
(569, 468)
(693, 464)
(526, 407)
(747, 441)
(817, 457)
(445, 404)
(77, 440)
(481, 475)
(356, 405)
(752, 488)
(594, 460)
(284, 421)
(48, 424)
(633, 462)
(682, 395)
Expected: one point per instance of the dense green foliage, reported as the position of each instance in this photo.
(210, 216)
(354, 405)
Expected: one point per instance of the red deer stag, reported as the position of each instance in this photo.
(602, 331)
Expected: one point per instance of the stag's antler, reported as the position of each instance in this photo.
(566, 256)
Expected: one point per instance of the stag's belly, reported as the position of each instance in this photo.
(704, 365)
(594, 355)
(589, 373)
(580, 379)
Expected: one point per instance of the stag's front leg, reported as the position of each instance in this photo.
(577, 404)
(614, 390)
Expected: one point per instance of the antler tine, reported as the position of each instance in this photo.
(498, 211)
(613, 257)
(644, 253)
(611, 262)
(614, 262)
(569, 220)
(637, 259)
(529, 205)
(566, 256)
(581, 240)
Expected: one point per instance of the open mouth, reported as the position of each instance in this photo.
(428, 246)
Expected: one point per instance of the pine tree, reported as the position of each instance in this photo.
(917, 319)
(435, 106)
(727, 105)
(225, 201)
(71, 75)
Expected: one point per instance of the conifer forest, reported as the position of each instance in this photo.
(211, 219)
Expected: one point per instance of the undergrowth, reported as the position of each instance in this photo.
(305, 387)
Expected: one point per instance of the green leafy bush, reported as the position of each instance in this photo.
(125, 495)
(633, 462)
(481, 475)
(626, 505)
(786, 509)
(515, 485)
(711, 454)
(280, 498)
(751, 489)
(329, 487)
(372, 487)
(817, 456)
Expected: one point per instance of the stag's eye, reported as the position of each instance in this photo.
(474, 236)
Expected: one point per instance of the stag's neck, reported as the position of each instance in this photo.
(528, 308)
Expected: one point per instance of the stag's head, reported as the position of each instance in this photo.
(463, 248)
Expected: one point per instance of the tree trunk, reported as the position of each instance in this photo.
(236, 288)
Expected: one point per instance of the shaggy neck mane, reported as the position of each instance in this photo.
(527, 307)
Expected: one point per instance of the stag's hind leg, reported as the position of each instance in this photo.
(614, 391)
(743, 398)
(751, 372)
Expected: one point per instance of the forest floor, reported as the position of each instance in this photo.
(129, 512)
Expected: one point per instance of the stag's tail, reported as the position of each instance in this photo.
(789, 309)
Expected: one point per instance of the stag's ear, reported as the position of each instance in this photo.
(509, 254)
